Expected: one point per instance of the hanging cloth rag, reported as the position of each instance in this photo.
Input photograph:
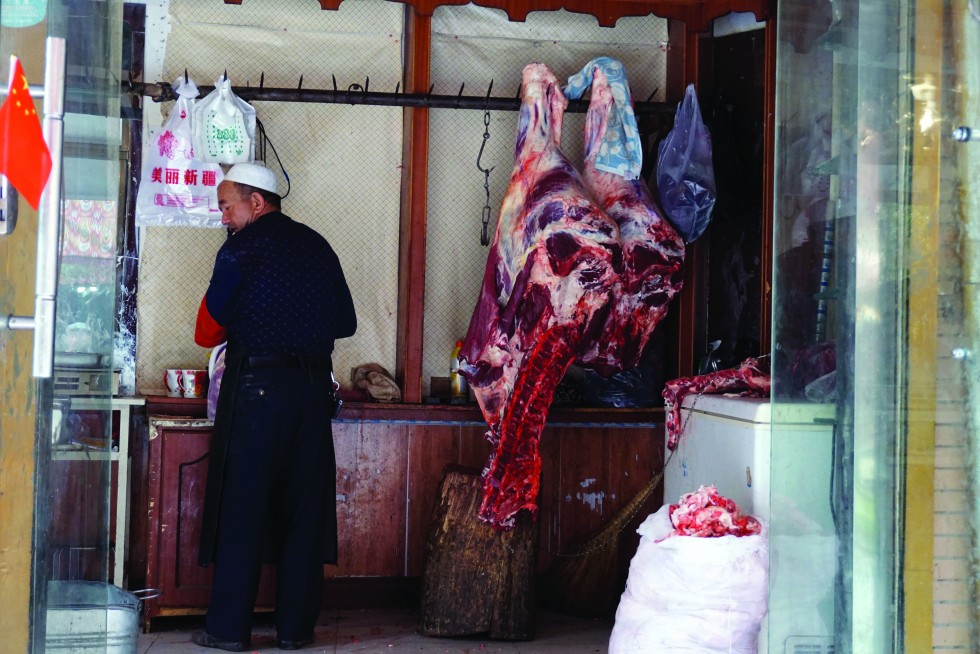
(621, 152)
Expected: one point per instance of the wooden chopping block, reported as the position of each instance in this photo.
(477, 580)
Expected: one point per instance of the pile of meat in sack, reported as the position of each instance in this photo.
(698, 582)
(581, 270)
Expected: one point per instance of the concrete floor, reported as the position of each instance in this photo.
(392, 630)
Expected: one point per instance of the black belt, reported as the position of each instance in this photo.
(308, 361)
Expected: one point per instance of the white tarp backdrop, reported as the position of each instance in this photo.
(344, 162)
(474, 45)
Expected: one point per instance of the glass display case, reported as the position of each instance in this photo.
(873, 260)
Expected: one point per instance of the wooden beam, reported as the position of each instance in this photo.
(925, 248)
(17, 425)
(411, 281)
(683, 45)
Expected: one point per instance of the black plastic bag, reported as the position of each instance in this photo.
(627, 389)
(685, 176)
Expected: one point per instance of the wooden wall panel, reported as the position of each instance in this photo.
(388, 475)
(593, 474)
(634, 461)
(346, 440)
(431, 449)
(371, 496)
(583, 498)
(474, 449)
(588, 475)
(549, 498)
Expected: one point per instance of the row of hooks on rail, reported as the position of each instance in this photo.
(360, 94)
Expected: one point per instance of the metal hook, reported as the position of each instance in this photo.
(226, 75)
(486, 135)
(262, 80)
(485, 226)
(485, 220)
(299, 87)
(397, 87)
(185, 76)
(334, 78)
(353, 87)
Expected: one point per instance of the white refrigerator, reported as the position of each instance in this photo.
(728, 442)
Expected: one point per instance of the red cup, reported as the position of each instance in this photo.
(194, 383)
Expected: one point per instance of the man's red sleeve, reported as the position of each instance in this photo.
(207, 332)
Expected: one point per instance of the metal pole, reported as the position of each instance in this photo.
(161, 92)
(49, 211)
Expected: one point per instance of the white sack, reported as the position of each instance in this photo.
(691, 594)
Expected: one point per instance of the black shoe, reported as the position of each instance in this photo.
(204, 639)
(299, 643)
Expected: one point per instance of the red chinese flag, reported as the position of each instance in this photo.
(24, 156)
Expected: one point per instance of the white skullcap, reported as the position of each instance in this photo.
(252, 175)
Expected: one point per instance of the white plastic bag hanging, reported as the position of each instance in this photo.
(224, 126)
(176, 187)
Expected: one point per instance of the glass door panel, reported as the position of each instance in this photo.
(74, 452)
(840, 326)
(873, 541)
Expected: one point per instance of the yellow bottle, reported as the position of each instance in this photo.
(458, 389)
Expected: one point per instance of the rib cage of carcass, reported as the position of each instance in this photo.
(580, 270)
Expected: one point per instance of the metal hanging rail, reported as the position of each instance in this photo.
(356, 94)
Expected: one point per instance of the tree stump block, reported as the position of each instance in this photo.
(477, 580)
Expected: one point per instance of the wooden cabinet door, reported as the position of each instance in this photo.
(177, 475)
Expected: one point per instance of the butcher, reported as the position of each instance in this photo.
(279, 298)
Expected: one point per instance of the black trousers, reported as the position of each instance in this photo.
(279, 482)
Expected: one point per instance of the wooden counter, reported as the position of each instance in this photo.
(468, 414)
(390, 458)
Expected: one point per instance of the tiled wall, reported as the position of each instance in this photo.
(953, 593)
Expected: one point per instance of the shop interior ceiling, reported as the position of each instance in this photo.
(696, 14)
(168, 348)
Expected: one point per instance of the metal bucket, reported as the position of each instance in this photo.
(91, 617)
